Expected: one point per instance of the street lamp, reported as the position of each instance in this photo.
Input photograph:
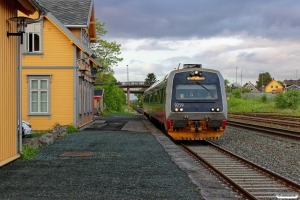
(241, 81)
(262, 81)
(236, 75)
(127, 75)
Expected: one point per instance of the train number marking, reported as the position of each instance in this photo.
(178, 105)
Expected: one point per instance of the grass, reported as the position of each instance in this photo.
(72, 129)
(37, 133)
(256, 105)
(28, 152)
(125, 110)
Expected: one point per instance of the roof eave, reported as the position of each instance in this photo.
(73, 38)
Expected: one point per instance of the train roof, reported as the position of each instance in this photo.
(186, 67)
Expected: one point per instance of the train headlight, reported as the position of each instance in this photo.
(212, 109)
(196, 72)
(192, 73)
(176, 109)
(217, 109)
(180, 109)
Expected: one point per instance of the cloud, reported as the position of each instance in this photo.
(201, 19)
(157, 35)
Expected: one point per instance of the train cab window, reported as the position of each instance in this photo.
(196, 92)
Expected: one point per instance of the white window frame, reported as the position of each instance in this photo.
(30, 31)
(39, 90)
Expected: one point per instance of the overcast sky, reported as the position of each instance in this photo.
(156, 35)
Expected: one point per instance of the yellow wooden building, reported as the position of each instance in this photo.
(273, 86)
(57, 64)
(10, 141)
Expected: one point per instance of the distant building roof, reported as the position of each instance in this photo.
(251, 87)
(291, 82)
(71, 13)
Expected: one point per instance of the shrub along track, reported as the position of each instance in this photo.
(285, 126)
(248, 179)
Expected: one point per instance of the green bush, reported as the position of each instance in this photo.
(28, 152)
(72, 129)
(236, 93)
(289, 99)
(264, 98)
(292, 98)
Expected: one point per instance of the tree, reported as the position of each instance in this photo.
(280, 82)
(139, 101)
(115, 97)
(265, 77)
(151, 78)
(107, 52)
(226, 83)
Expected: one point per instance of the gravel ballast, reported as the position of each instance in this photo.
(123, 165)
(278, 154)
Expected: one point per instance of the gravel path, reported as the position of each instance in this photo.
(123, 165)
(278, 154)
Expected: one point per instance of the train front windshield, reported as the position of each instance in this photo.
(196, 92)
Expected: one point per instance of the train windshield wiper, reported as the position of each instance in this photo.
(203, 86)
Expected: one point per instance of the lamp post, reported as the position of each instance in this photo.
(128, 90)
(127, 75)
(241, 81)
(296, 74)
(262, 81)
(236, 75)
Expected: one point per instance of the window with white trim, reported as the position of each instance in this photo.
(39, 94)
(33, 38)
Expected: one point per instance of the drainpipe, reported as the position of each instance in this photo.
(40, 9)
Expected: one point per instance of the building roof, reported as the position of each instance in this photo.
(273, 81)
(71, 13)
(291, 82)
(251, 87)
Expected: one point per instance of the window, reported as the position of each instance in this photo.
(39, 97)
(196, 92)
(33, 38)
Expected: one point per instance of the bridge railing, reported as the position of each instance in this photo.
(134, 83)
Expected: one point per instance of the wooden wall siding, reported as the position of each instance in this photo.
(76, 32)
(61, 98)
(57, 49)
(58, 52)
(33, 16)
(8, 131)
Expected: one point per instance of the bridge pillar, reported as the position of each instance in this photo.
(128, 97)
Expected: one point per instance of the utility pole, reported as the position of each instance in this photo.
(127, 75)
(236, 75)
(262, 81)
(241, 81)
(128, 89)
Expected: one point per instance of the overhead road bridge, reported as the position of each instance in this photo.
(134, 87)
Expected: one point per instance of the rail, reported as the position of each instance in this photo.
(250, 180)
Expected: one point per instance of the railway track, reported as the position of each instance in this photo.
(284, 126)
(248, 179)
